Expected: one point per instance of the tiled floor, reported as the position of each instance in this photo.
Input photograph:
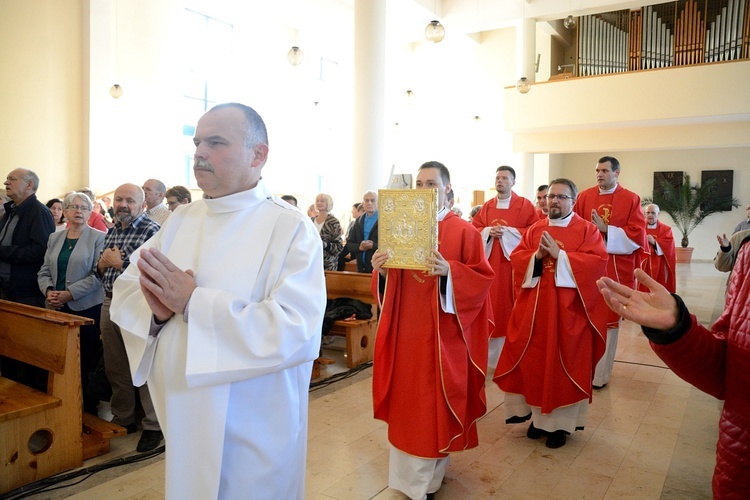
(649, 435)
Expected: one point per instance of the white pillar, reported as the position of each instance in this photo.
(370, 170)
(526, 49)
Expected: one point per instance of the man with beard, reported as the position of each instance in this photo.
(661, 264)
(132, 228)
(557, 326)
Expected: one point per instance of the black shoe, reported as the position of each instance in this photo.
(149, 440)
(131, 428)
(430, 496)
(556, 439)
(534, 433)
(597, 387)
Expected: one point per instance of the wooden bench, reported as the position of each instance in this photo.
(359, 333)
(40, 432)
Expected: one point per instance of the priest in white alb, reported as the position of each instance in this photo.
(222, 314)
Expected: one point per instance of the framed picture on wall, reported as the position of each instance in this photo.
(672, 178)
(723, 183)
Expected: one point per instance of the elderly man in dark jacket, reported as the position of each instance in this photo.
(363, 237)
(24, 231)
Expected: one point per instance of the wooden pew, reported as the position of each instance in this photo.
(40, 432)
(360, 334)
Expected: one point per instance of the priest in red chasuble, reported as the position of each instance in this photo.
(661, 263)
(556, 331)
(502, 222)
(431, 349)
(617, 214)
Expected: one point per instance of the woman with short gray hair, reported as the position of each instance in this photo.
(68, 279)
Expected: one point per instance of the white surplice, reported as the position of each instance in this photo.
(230, 385)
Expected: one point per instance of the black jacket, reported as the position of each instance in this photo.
(25, 254)
(357, 236)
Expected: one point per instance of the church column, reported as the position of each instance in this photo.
(368, 162)
(526, 66)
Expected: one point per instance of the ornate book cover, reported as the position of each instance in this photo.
(407, 226)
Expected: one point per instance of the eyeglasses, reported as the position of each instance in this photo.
(561, 197)
(82, 208)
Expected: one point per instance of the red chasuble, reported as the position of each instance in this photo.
(661, 267)
(556, 335)
(621, 209)
(429, 366)
(520, 214)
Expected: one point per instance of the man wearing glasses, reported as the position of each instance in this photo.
(176, 196)
(556, 331)
(24, 231)
(617, 214)
(132, 228)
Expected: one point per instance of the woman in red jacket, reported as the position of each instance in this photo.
(716, 361)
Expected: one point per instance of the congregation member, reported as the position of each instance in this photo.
(541, 202)
(617, 214)
(176, 196)
(224, 324)
(55, 206)
(430, 349)
(69, 281)
(132, 229)
(661, 264)
(154, 190)
(502, 221)
(24, 231)
(96, 219)
(330, 232)
(346, 254)
(289, 199)
(363, 238)
(715, 361)
(474, 210)
(728, 248)
(556, 331)
(745, 224)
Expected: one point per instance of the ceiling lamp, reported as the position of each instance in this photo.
(115, 91)
(295, 56)
(434, 32)
(523, 85)
(570, 22)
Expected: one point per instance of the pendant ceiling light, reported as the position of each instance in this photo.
(434, 32)
(523, 85)
(116, 90)
(570, 21)
(295, 56)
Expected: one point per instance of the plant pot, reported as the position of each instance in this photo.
(683, 254)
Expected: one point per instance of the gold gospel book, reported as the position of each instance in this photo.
(407, 226)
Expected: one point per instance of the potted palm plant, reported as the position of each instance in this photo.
(689, 205)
